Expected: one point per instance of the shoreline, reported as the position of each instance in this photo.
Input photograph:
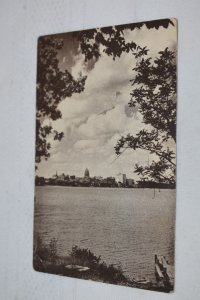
(106, 187)
(83, 264)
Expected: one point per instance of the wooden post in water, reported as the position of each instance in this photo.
(164, 272)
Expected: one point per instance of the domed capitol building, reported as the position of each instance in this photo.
(87, 173)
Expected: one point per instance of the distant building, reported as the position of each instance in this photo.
(87, 173)
(119, 178)
(61, 177)
(98, 178)
(130, 182)
(124, 179)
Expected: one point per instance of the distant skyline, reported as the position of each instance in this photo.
(84, 175)
(95, 119)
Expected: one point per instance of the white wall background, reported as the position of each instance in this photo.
(21, 22)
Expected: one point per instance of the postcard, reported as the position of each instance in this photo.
(105, 164)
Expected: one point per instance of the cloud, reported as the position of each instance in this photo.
(85, 144)
(94, 120)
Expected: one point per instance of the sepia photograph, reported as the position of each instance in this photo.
(105, 154)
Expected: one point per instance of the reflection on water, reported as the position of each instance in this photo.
(126, 227)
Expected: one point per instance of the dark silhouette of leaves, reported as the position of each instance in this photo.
(53, 85)
(154, 94)
(112, 38)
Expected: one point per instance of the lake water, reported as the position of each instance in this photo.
(127, 227)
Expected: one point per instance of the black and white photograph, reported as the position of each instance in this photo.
(105, 154)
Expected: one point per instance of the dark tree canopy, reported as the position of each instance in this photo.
(53, 85)
(154, 94)
(112, 38)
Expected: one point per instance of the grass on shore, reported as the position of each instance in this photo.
(46, 259)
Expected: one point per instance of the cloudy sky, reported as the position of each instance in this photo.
(94, 120)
